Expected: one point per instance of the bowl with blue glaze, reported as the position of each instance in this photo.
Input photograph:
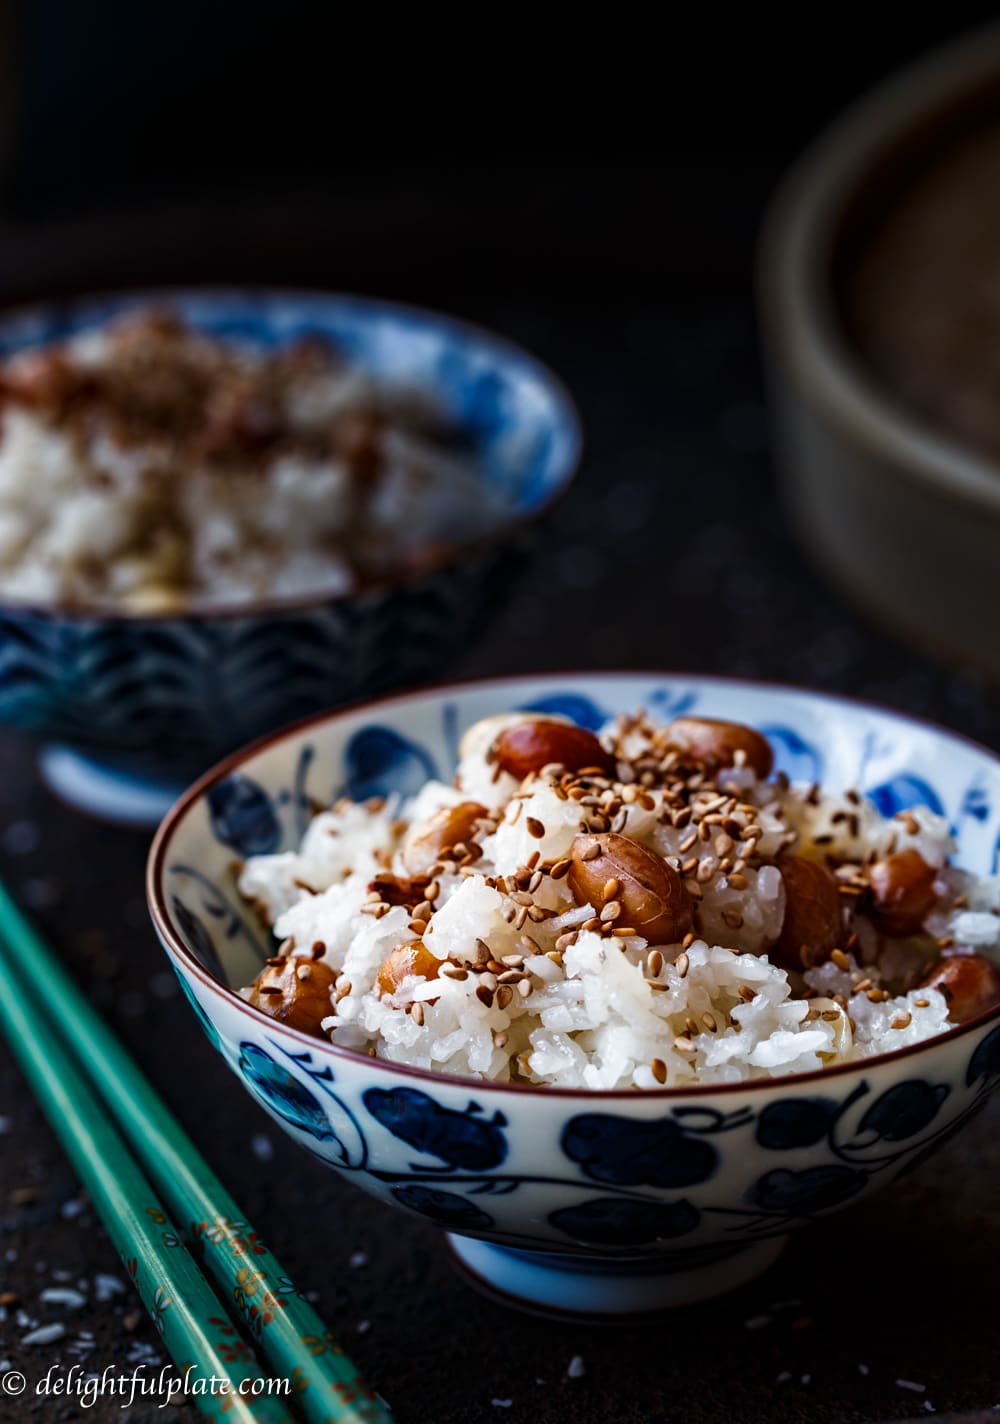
(597, 1203)
(129, 706)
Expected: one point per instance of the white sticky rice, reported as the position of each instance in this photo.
(108, 498)
(600, 1011)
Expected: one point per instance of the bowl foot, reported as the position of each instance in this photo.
(595, 1288)
(104, 789)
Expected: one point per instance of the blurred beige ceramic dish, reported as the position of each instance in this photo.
(902, 518)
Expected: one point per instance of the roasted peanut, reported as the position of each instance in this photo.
(296, 992)
(398, 889)
(715, 743)
(408, 959)
(970, 983)
(813, 921)
(902, 893)
(426, 842)
(650, 892)
(530, 745)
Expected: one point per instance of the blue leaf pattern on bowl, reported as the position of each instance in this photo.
(985, 1062)
(574, 705)
(446, 1208)
(798, 759)
(284, 1093)
(623, 1221)
(626, 1152)
(809, 1190)
(461, 1139)
(904, 1110)
(242, 816)
(903, 791)
(795, 1122)
(378, 762)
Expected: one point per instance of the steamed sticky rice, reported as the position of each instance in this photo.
(647, 907)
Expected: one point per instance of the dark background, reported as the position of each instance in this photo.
(594, 191)
(485, 156)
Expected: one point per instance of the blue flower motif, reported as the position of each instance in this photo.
(446, 1208)
(574, 705)
(378, 761)
(622, 1221)
(985, 1062)
(903, 791)
(620, 1150)
(459, 1138)
(795, 1122)
(284, 1093)
(811, 1189)
(242, 816)
(904, 1110)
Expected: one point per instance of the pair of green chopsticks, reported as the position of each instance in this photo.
(149, 1184)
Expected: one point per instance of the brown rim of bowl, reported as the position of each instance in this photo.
(176, 947)
(796, 249)
(452, 557)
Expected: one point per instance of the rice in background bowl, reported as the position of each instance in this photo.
(131, 702)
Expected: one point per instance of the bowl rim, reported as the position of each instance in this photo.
(797, 297)
(176, 947)
(449, 558)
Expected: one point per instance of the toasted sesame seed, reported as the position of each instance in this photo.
(682, 964)
(902, 1020)
(417, 1013)
(524, 988)
(560, 869)
(453, 971)
(485, 996)
(746, 993)
(840, 959)
(709, 1021)
(591, 852)
(535, 827)
(659, 1070)
(654, 963)
(612, 911)
(684, 1045)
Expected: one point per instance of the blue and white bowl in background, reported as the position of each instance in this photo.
(605, 1203)
(132, 706)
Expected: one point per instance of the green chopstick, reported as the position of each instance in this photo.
(171, 1287)
(287, 1330)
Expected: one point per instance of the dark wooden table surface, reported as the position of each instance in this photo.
(673, 554)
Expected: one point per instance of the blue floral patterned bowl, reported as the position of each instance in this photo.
(138, 705)
(575, 1201)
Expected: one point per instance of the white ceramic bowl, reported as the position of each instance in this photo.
(903, 518)
(590, 1202)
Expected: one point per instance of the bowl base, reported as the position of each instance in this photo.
(105, 790)
(609, 1289)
